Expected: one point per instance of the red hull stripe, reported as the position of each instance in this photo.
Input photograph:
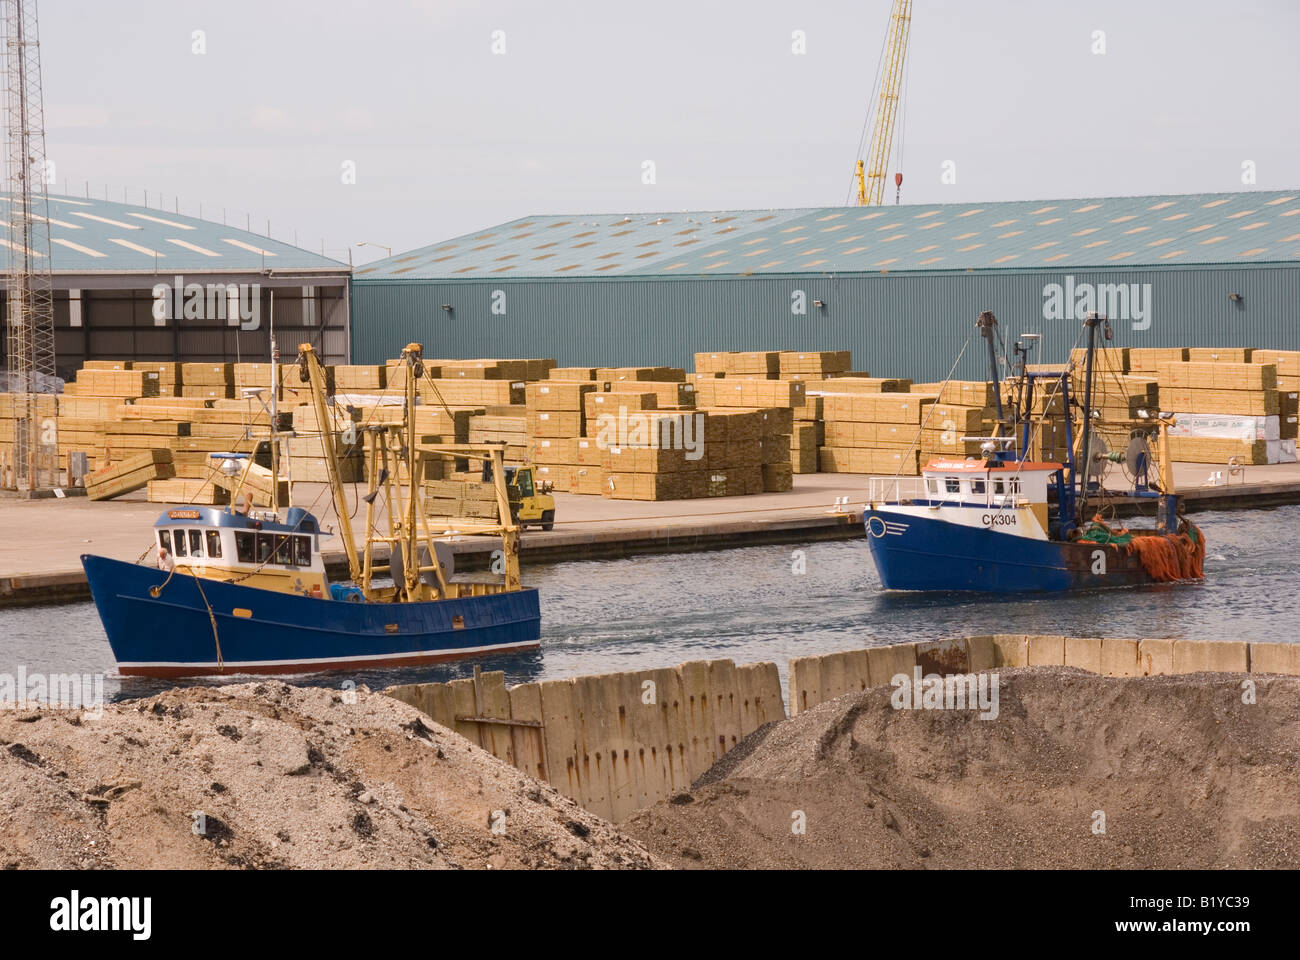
(312, 666)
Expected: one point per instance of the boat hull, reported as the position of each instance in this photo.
(913, 552)
(266, 632)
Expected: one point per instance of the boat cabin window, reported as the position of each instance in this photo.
(264, 548)
(933, 486)
(1010, 486)
(977, 486)
(179, 539)
(165, 540)
(952, 484)
(196, 543)
(276, 548)
(214, 543)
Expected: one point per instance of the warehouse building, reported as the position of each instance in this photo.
(139, 283)
(900, 286)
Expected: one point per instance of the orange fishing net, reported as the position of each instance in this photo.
(1174, 556)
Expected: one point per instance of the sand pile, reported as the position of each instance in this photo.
(1184, 772)
(282, 777)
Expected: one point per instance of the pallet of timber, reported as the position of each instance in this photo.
(254, 481)
(557, 395)
(1219, 376)
(462, 392)
(751, 393)
(187, 491)
(814, 362)
(632, 374)
(129, 474)
(571, 373)
(667, 393)
(858, 385)
(1148, 359)
(356, 378)
(316, 469)
(887, 462)
(1220, 354)
(1245, 403)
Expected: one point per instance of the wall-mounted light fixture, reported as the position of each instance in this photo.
(1235, 297)
(819, 303)
(447, 307)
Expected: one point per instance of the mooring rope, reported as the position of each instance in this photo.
(212, 617)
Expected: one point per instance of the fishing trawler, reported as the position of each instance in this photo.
(245, 591)
(1002, 522)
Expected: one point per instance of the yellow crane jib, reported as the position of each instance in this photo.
(871, 180)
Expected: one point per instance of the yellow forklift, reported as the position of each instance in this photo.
(531, 503)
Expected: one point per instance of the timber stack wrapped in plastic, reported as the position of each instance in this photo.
(1227, 408)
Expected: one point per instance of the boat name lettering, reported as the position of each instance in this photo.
(1000, 520)
(183, 515)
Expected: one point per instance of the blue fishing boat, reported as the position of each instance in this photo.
(1001, 522)
(245, 591)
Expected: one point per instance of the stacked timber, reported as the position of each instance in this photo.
(207, 381)
(506, 426)
(129, 474)
(1226, 408)
(571, 373)
(170, 376)
(816, 364)
(450, 499)
(874, 432)
(252, 482)
(611, 375)
(515, 369)
(1146, 360)
(356, 378)
(556, 417)
(122, 384)
(665, 457)
(306, 448)
(775, 402)
(1288, 391)
(759, 364)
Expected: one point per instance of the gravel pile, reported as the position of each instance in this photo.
(1177, 771)
(267, 775)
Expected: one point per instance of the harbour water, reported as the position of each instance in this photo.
(773, 603)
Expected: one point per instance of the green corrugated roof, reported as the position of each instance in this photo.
(96, 236)
(1253, 227)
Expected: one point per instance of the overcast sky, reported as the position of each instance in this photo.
(448, 136)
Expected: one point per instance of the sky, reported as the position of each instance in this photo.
(399, 123)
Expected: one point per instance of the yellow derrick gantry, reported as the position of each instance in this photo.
(871, 182)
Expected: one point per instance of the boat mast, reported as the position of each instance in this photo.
(275, 417)
(1091, 322)
(988, 324)
(309, 371)
(410, 550)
